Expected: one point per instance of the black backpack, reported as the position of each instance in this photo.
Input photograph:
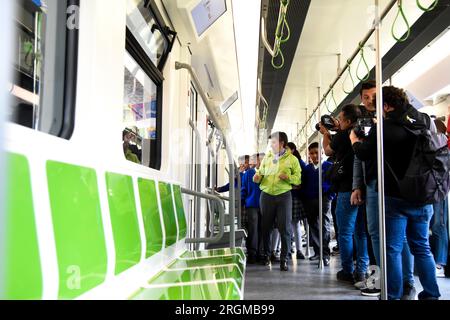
(427, 178)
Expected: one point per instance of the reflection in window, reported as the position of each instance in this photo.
(145, 29)
(27, 61)
(139, 113)
(43, 84)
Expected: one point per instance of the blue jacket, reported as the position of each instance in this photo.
(250, 191)
(310, 181)
(226, 187)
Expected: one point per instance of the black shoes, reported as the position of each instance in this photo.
(314, 258)
(275, 258)
(300, 255)
(409, 292)
(266, 262)
(284, 265)
(251, 260)
(344, 276)
(326, 261)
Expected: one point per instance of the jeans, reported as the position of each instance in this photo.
(403, 219)
(254, 231)
(350, 223)
(373, 224)
(312, 211)
(333, 214)
(439, 232)
(279, 207)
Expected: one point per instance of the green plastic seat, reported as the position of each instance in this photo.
(214, 253)
(205, 262)
(223, 290)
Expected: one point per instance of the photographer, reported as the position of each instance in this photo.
(401, 215)
(349, 220)
(365, 186)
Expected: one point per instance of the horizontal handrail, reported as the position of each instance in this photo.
(218, 236)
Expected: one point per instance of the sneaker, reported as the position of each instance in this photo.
(371, 292)
(440, 272)
(314, 257)
(326, 261)
(344, 276)
(300, 255)
(409, 292)
(267, 262)
(336, 249)
(360, 281)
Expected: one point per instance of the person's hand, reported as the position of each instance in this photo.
(323, 130)
(284, 176)
(356, 198)
(354, 138)
(257, 178)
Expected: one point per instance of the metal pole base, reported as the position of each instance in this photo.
(321, 265)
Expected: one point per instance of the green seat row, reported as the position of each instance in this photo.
(78, 227)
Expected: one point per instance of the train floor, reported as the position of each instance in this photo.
(304, 281)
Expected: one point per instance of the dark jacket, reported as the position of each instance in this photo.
(398, 147)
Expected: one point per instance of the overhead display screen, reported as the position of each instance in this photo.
(206, 13)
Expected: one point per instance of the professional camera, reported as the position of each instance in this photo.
(362, 127)
(328, 122)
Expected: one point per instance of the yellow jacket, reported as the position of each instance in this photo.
(270, 172)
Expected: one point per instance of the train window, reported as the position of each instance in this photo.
(140, 113)
(44, 65)
(148, 44)
(144, 22)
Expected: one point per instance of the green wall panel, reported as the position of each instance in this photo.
(23, 274)
(180, 212)
(170, 223)
(125, 225)
(78, 228)
(150, 214)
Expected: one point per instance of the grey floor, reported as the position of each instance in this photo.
(304, 281)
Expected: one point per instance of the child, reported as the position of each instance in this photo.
(250, 194)
(310, 187)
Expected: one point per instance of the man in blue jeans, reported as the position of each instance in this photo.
(349, 218)
(402, 218)
(365, 178)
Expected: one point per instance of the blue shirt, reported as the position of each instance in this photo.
(226, 187)
(310, 181)
(250, 191)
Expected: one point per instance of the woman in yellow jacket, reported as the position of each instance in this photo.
(279, 171)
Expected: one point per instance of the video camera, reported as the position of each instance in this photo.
(362, 127)
(328, 122)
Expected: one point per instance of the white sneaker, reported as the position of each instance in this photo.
(360, 285)
(440, 272)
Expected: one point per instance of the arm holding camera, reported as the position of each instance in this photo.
(365, 149)
(326, 141)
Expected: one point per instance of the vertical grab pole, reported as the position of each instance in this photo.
(198, 182)
(320, 194)
(380, 151)
(306, 160)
